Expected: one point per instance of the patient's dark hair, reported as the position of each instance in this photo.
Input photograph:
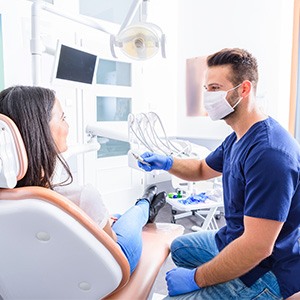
(30, 108)
(243, 65)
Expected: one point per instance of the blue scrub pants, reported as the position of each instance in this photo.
(128, 229)
(194, 249)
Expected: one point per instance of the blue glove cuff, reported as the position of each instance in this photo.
(194, 285)
(169, 163)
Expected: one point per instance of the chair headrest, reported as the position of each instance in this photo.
(13, 156)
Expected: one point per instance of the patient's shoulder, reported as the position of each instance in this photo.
(71, 191)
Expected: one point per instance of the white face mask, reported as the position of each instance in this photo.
(216, 104)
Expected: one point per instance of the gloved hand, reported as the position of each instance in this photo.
(156, 161)
(181, 281)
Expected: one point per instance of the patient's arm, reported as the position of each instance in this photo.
(109, 231)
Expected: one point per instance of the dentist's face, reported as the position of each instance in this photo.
(59, 127)
(221, 97)
(217, 78)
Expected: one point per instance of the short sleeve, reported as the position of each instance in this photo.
(271, 181)
(89, 199)
(215, 159)
(91, 202)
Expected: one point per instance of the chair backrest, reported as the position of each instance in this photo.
(13, 157)
(50, 249)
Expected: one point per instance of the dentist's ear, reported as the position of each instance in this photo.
(246, 88)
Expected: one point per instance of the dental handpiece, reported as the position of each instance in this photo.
(140, 159)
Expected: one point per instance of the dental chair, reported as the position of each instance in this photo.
(50, 249)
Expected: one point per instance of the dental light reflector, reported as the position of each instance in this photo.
(140, 41)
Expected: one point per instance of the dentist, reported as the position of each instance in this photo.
(257, 253)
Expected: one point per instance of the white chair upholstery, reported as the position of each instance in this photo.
(50, 249)
(13, 157)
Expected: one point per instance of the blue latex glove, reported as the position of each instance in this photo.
(181, 281)
(156, 161)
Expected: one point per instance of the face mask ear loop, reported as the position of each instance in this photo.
(234, 88)
(235, 105)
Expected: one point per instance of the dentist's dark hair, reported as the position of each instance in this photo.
(243, 64)
(30, 108)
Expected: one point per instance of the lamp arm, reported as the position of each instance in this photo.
(163, 45)
(132, 10)
(112, 42)
(143, 11)
(76, 18)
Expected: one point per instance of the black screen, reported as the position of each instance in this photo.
(76, 65)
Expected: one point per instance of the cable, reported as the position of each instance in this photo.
(130, 127)
(142, 126)
(165, 135)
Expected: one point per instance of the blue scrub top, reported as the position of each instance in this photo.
(261, 179)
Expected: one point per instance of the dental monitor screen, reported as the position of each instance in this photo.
(74, 65)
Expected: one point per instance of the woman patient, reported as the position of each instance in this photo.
(42, 123)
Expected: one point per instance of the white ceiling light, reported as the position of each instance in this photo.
(139, 41)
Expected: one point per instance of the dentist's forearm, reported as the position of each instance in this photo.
(192, 170)
(232, 262)
(242, 254)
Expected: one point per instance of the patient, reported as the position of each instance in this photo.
(42, 123)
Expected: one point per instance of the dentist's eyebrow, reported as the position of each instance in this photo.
(214, 84)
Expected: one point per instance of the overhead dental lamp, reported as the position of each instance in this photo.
(141, 40)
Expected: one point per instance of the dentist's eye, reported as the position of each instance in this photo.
(214, 88)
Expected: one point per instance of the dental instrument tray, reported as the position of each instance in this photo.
(193, 202)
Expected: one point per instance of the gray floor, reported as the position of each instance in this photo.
(165, 215)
